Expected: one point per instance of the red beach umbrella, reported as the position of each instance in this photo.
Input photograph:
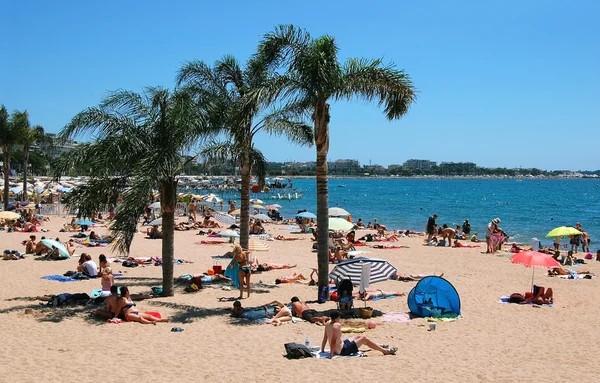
(534, 259)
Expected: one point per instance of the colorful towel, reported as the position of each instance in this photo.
(396, 317)
(60, 278)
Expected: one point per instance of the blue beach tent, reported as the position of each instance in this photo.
(434, 297)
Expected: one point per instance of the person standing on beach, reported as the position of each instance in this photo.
(466, 228)
(430, 227)
(492, 228)
(192, 210)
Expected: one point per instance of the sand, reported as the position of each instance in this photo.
(491, 342)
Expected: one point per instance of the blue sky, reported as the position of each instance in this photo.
(511, 83)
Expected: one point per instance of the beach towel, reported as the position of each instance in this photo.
(211, 242)
(233, 273)
(59, 278)
(325, 355)
(396, 317)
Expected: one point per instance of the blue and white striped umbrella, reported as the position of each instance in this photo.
(224, 218)
(381, 270)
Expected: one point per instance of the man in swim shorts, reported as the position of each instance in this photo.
(430, 227)
(333, 336)
(301, 309)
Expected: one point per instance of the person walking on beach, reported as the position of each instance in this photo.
(333, 336)
(430, 227)
(192, 210)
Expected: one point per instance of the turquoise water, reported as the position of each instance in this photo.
(528, 208)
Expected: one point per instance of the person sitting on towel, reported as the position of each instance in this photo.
(87, 267)
(110, 308)
(30, 245)
(333, 336)
(282, 313)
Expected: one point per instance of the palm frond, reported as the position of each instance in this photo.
(124, 225)
(371, 80)
(258, 164)
(280, 46)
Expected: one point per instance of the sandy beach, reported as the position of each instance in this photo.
(490, 342)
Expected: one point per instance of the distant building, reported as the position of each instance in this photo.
(418, 165)
(54, 146)
(343, 166)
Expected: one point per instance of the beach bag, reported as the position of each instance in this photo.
(297, 351)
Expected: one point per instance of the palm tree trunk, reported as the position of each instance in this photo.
(168, 201)
(321, 123)
(25, 161)
(6, 170)
(245, 202)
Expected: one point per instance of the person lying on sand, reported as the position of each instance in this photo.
(282, 238)
(257, 266)
(543, 296)
(370, 294)
(294, 277)
(561, 271)
(282, 313)
(414, 277)
(238, 310)
(301, 309)
(337, 346)
(131, 313)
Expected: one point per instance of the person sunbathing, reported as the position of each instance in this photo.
(292, 278)
(30, 245)
(182, 226)
(111, 305)
(131, 313)
(337, 346)
(387, 238)
(338, 255)
(413, 277)
(257, 266)
(94, 236)
(208, 279)
(282, 313)
(375, 294)
(301, 309)
(282, 238)
(562, 271)
(154, 233)
(106, 281)
(541, 296)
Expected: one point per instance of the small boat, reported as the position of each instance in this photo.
(341, 186)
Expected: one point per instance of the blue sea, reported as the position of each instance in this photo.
(528, 208)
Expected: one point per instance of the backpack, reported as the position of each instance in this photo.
(297, 351)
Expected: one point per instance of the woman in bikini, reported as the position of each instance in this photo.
(294, 277)
(130, 311)
(242, 257)
(106, 281)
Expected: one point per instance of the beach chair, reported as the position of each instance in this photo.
(345, 302)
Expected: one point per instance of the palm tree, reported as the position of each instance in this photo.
(315, 76)
(28, 137)
(138, 149)
(246, 98)
(9, 133)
